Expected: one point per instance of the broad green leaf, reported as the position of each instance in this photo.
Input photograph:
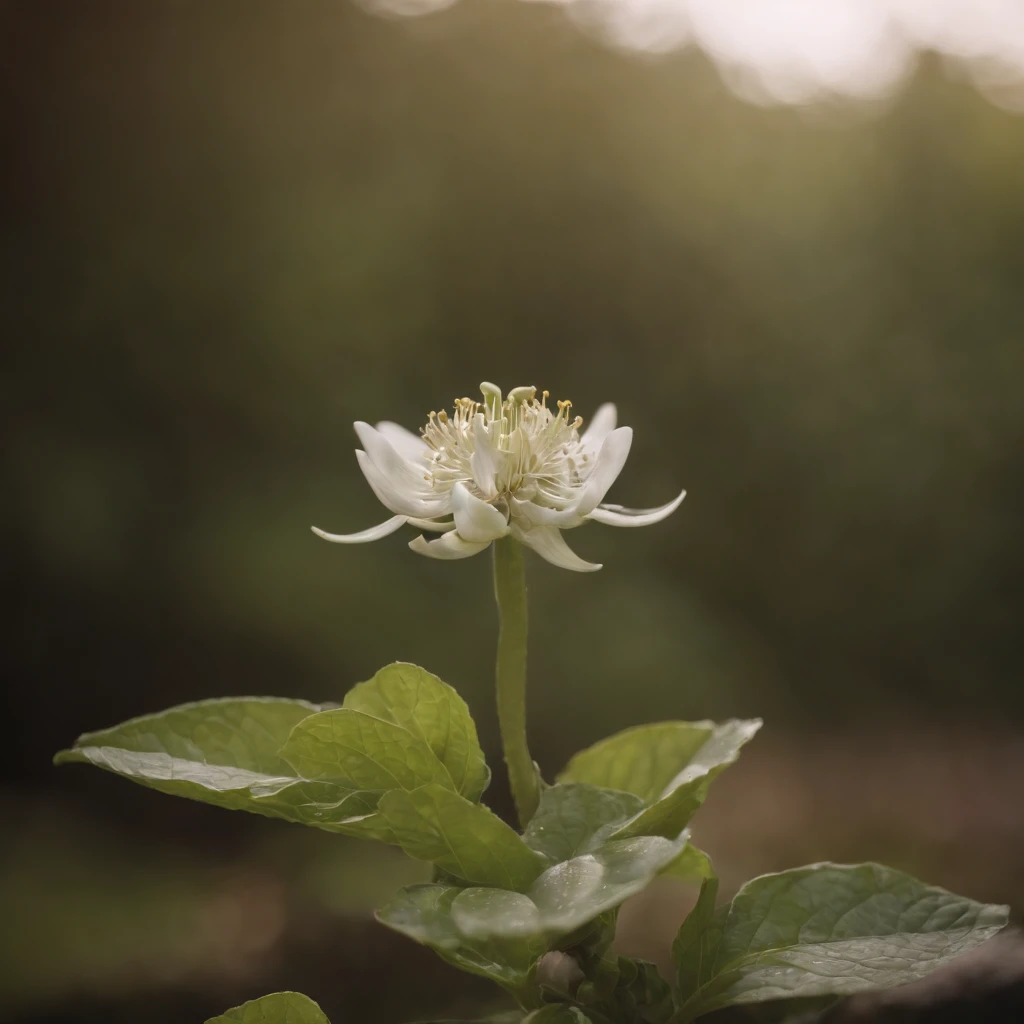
(692, 865)
(642, 760)
(279, 1008)
(224, 752)
(462, 838)
(827, 929)
(575, 891)
(573, 818)
(686, 791)
(669, 765)
(363, 752)
(696, 922)
(500, 933)
(431, 710)
(436, 915)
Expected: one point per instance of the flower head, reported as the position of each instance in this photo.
(498, 467)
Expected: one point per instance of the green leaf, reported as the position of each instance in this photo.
(695, 924)
(641, 994)
(576, 891)
(670, 766)
(279, 1008)
(462, 838)
(642, 760)
(431, 710)
(443, 917)
(478, 924)
(362, 752)
(574, 818)
(692, 865)
(224, 752)
(294, 760)
(827, 929)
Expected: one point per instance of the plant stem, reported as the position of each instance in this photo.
(510, 675)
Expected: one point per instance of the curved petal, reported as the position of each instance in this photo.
(405, 442)
(541, 515)
(399, 500)
(602, 423)
(373, 533)
(408, 477)
(476, 521)
(483, 462)
(447, 547)
(616, 515)
(607, 467)
(548, 542)
(431, 525)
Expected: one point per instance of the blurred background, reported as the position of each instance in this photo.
(787, 241)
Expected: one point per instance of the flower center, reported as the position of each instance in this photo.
(534, 453)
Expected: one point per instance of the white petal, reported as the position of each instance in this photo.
(409, 445)
(476, 521)
(616, 515)
(409, 477)
(447, 547)
(430, 524)
(608, 466)
(373, 533)
(400, 501)
(483, 462)
(602, 423)
(541, 515)
(548, 542)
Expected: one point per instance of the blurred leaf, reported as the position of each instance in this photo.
(431, 710)
(827, 929)
(279, 1008)
(462, 838)
(572, 817)
(639, 759)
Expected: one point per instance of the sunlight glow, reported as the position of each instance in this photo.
(802, 51)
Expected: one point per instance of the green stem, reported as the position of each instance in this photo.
(510, 675)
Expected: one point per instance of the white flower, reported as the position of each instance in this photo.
(497, 468)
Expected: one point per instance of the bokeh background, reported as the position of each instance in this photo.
(231, 229)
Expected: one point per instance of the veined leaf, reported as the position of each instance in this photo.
(225, 752)
(824, 930)
(294, 760)
(573, 818)
(683, 757)
(462, 838)
(431, 914)
(431, 710)
(501, 933)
